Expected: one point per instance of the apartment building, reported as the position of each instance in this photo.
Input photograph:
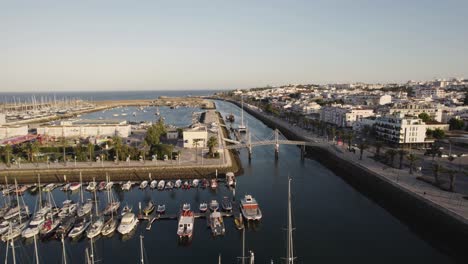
(399, 129)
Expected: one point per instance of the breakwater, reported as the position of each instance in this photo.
(437, 225)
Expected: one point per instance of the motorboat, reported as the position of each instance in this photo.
(91, 186)
(186, 185)
(161, 184)
(186, 207)
(85, 208)
(230, 179)
(39, 216)
(217, 224)
(4, 226)
(226, 204)
(205, 183)
(66, 187)
(79, 228)
(161, 209)
(74, 186)
(149, 208)
(195, 183)
(65, 226)
(127, 224)
(214, 205)
(185, 224)
(49, 187)
(109, 226)
(239, 221)
(111, 208)
(69, 208)
(213, 184)
(178, 184)
(143, 185)
(203, 207)
(96, 227)
(169, 185)
(154, 184)
(102, 186)
(126, 209)
(127, 186)
(250, 208)
(109, 185)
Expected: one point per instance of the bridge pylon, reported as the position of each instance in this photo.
(276, 144)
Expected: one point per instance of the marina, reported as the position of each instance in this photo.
(266, 180)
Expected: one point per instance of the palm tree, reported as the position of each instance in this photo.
(333, 133)
(391, 153)
(452, 175)
(195, 144)
(8, 150)
(90, 151)
(436, 169)
(117, 142)
(412, 160)
(402, 154)
(212, 142)
(63, 142)
(362, 146)
(349, 137)
(378, 145)
(34, 150)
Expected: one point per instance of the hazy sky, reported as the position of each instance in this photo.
(96, 45)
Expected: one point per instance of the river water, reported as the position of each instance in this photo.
(334, 223)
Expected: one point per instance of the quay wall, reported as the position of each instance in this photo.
(437, 225)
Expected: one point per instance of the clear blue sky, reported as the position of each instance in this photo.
(96, 45)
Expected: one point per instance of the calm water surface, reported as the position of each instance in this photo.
(334, 223)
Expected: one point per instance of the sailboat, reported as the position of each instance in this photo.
(16, 227)
(112, 206)
(51, 223)
(39, 217)
(290, 248)
(85, 208)
(96, 225)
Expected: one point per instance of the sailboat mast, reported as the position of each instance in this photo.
(290, 251)
(13, 250)
(81, 187)
(64, 253)
(141, 250)
(92, 252)
(35, 250)
(243, 246)
(40, 191)
(6, 182)
(17, 200)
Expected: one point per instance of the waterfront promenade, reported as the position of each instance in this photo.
(453, 203)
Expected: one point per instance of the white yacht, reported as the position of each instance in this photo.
(250, 209)
(154, 184)
(79, 228)
(143, 185)
(95, 228)
(85, 208)
(127, 224)
(185, 225)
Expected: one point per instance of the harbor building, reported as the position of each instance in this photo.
(10, 131)
(195, 137)
(400, 130)
(86, 128)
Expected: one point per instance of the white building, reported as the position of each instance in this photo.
(343, 116)
(195, 137)
(400, 129)
(432, 92)
(85, 129)
(2, 119)
(434, 110)
(13, 131)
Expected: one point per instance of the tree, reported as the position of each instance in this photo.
(378, 145)
(349, 137)
(412, 160)
(438, 133)
(391, 153)
(424, 116)
(90, 151)
(7, 150)
(154, 133)
(362, 146)
(436, 169)
(63, 142)
(195, 144)
(117, 143)
(456, 124)
(212, 143)
(452, 176)
(402, 154)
